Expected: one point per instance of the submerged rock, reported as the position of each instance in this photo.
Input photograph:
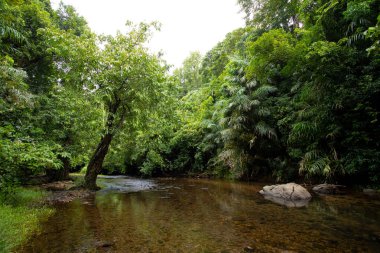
(329, 189)
(68, 196)
(104, 244)
(370, 191)
(290, 194)
(249, 249)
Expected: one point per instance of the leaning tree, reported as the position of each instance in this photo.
(128, 79)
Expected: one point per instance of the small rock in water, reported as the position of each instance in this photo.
(249, 249)
(237, 218)
(104, 244)
(329, 189)
(369, 191)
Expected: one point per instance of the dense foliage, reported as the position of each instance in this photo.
(293, 95)
(48, 122)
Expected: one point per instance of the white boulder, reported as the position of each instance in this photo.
(289, 194)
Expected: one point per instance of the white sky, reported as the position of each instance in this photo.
(187, 25)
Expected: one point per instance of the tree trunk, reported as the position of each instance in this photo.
(61, 174)
(95, 165)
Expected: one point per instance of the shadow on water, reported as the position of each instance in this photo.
(186, 215)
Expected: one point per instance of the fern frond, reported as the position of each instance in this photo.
(227, 134)
(252, 84)
(263, 129)
(263, 112)
(9, 32)
(315, 163)
(301, 130)
(264, 91)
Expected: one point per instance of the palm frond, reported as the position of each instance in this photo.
(238, 60)
(234, 159)
(244, 103)
(263, 112)
(264, 91)
(302, 130)
(263, 129)
(224, 121)
(6, 31)
(227, 134)
(252, 83)
(316, 163)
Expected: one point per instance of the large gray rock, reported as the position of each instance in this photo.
(329, 189)
(290, 194)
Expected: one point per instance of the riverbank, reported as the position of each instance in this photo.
(26, 208)
(21, 216)
(65, 191)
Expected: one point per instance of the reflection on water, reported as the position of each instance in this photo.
(287, 202)
(187, 215)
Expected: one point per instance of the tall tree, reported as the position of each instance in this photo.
(128, 79)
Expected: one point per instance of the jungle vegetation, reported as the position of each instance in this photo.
(293, 95)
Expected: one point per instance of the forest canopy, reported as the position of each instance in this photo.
(293, 95)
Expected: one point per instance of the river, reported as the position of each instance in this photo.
(191, 215)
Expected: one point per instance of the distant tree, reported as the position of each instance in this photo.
(189, 74)
(269, 14)
(68, 19)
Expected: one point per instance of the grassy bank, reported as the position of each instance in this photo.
(21, 215)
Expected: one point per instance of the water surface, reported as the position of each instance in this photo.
(189, 215)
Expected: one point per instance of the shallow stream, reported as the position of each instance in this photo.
(190, 215)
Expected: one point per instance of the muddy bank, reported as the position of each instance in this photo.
(64, 191)
(68, 195)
